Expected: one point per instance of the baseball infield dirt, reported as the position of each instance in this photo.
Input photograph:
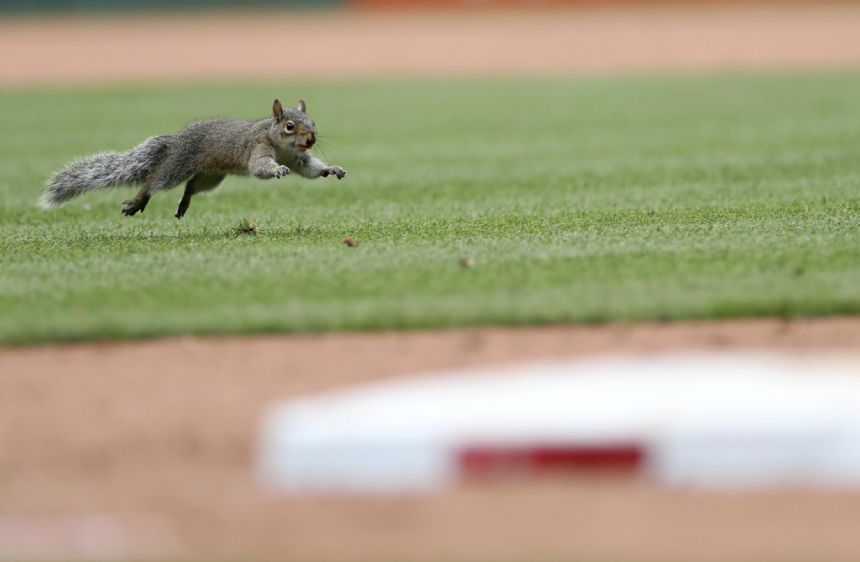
(116, 450)
(145, 449)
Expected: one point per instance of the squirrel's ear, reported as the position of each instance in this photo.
(277, 110)
(302, 107)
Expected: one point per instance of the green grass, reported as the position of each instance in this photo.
(591, 200)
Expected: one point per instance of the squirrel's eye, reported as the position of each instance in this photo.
(289, 127)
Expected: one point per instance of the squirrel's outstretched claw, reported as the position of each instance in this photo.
(333, 171)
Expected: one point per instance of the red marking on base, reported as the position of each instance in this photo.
(492, 460)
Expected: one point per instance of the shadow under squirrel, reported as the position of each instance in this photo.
(202, 154)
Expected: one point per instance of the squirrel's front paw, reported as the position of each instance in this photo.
(281, 171)
(333, 171)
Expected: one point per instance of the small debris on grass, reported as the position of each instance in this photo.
(247, 226)
(466, 262)
(350, 241)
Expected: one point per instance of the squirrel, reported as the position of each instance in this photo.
(202, 154)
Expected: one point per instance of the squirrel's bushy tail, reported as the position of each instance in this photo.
(108, 169)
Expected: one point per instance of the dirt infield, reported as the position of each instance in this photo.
(146, 449)
(338, 45)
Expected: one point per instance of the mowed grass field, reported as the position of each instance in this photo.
(588, 200)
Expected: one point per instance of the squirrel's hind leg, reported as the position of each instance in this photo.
(197, 184)
(167, 175)
(137, 203)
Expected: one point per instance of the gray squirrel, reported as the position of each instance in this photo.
(202, 154)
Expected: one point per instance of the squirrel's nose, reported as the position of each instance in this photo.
(311, 140)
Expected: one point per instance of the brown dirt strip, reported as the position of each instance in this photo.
(285, 45)
(145, 449)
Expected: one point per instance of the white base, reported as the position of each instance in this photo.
(702, 420)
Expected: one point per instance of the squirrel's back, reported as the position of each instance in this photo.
(220, 145)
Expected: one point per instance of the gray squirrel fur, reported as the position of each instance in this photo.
(201, 154)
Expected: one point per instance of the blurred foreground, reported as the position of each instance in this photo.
(146, 450)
